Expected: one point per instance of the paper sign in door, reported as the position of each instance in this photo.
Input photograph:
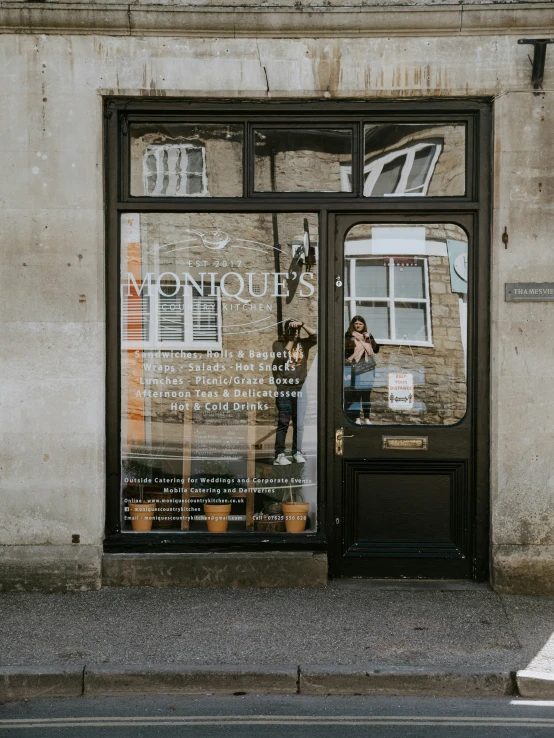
(401, 390)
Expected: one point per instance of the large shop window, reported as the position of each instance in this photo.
(219, 371)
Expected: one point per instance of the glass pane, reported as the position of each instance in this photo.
(409, 279)
(186, 160)
(372, 278)
(376, 317)
(218, 372)
(388, 178)
(417, 160)
(303, 160)
(410, 373)
(423, 159)
(410, 322)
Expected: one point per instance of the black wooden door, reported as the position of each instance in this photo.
(408, 391)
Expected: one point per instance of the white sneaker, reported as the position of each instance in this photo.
(367, 421)
(358, 421)
(281, 460)
(299, 457)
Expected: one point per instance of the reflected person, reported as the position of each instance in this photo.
(289, 372)
(359, 373)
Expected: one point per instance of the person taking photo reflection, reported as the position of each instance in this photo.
(359, 372)
(290, 371)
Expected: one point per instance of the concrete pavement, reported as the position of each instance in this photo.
(353, 637)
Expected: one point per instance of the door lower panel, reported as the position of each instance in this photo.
(410, 518)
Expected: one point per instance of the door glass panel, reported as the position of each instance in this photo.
(414, 160)
(303, 160)
(186, 160)
(219, 371)
(405, 349)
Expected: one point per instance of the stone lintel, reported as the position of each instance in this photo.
(278, 21)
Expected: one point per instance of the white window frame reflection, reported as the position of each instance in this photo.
(373, 170)
(354, 302)
(152, 320)
(178, 177)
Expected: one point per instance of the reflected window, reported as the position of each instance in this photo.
(406, 172)
(413, 160)
(175, 170)
(392, 294)
(163, 317)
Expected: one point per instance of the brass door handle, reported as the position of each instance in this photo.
(339, 445)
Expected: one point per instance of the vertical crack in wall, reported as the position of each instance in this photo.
(263, 67)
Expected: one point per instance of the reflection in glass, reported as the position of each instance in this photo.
(186, 160)
(414, 160)
(302, 160)
(410, 322)
(409, 281)
(408, 288)
(215, 381)
(371, 278)
(377, 315)
(389, 176)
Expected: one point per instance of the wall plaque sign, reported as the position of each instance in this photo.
(529, 292)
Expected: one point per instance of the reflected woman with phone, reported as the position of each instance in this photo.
(359, 372)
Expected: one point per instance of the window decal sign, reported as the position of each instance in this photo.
(401, 391)
(218, 372)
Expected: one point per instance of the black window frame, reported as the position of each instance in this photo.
(121, 112)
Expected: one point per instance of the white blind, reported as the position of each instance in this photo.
(204, 318)
(135, 317)
(171, 318)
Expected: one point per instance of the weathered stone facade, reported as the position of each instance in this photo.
(62, 59)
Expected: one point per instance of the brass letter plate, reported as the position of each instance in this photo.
(406, 443)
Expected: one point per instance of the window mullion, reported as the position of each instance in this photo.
(391, 300)
(427, 301)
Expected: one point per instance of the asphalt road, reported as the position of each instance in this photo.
(268, 717)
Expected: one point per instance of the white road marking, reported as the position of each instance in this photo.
(537, 703)
(223, 720)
